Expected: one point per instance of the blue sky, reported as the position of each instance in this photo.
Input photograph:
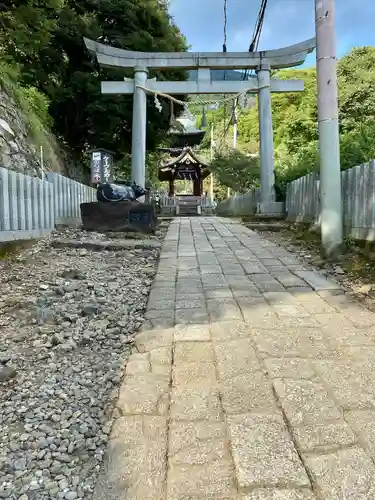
(286, 22)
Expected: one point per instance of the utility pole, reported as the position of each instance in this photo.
(329, 141)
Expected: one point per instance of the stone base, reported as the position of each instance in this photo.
(168, 211)
(275, 209)
(119, 216)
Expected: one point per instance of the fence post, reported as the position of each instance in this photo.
(372, 194)
(21, 202)
(344, 198)
(34, 203)
(28, 203)
(76, 195)
(4, 200)
(351, 199)
(52, 204)
(40, 199)
(356, 200)
(13, 208)
(47, 212)
(368, 188)
(361, 218)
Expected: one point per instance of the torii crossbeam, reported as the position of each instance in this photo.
(262, 85)
(203, 86)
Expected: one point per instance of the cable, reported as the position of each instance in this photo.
(225, 128)
(194, 103)
(231, 118)
(225, 26)
(258, 27)
(253, 47)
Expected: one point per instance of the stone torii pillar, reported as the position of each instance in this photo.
(139, 126)
(263, 85)
(266, 150)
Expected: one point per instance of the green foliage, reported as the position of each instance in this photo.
(295, 120)
(34, 106)
(356, 72)
(45, 39)
(358, 146)
(122, 168)
(153, 160)
(25, 27)
(236, 170)
(38, 105)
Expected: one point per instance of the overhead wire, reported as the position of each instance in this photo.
(225, 27)
(258, 27)
(255, 39)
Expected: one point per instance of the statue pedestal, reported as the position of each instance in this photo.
(121, 216)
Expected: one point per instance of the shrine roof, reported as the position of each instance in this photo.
(186, 160)
(187, 156)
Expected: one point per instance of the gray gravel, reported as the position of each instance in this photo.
(67, 319)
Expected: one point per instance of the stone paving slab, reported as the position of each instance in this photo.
(252, 378)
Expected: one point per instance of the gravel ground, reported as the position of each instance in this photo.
(67, 318)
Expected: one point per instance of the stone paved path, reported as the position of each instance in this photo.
(253, 379)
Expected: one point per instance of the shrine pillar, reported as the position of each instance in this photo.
(197, 187)
(171, 187)
(138, 161)
(266, 151)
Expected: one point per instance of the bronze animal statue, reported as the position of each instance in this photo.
(119, 192)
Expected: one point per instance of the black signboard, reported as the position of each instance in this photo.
(101, 166)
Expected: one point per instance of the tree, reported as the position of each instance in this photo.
(62, 68)
(25, 27)
(236, 170)
(295, 120)
(356, 72)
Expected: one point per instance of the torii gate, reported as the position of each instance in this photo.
(262, 85)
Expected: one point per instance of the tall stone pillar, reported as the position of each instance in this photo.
(139, 127)
(267, 176)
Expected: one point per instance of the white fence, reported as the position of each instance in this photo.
(358, 196)
(68, 195)
(30, 208)
(302, 199)
(240, 204)
(171, 201)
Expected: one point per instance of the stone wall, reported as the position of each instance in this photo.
(20, 152)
